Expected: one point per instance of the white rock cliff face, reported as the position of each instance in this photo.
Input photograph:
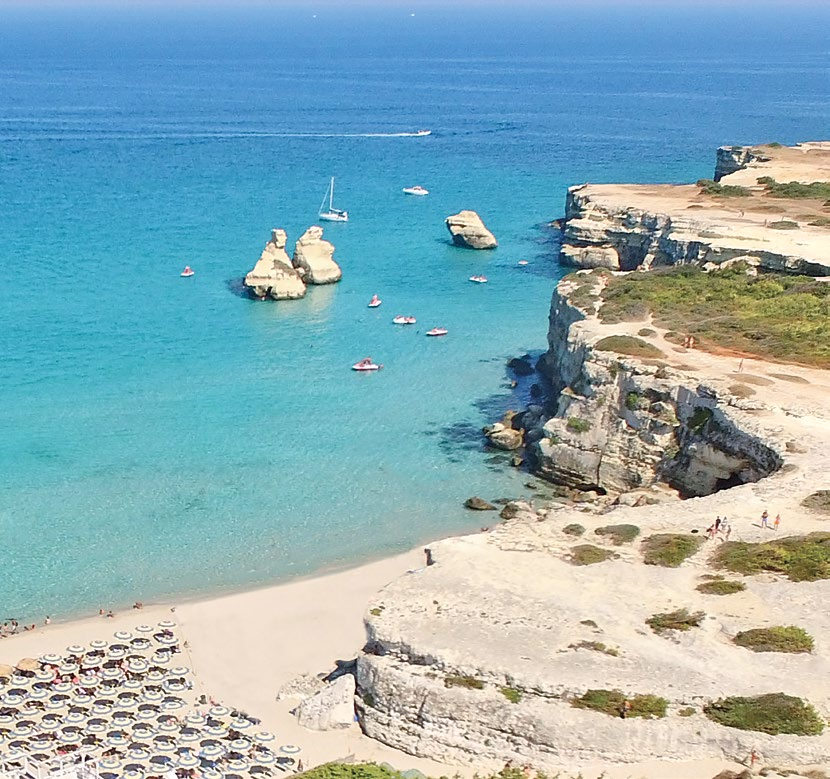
(274, 275)
(314, 258)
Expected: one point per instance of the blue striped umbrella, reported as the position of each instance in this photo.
(167, 624)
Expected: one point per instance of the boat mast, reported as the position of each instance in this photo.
(331, 194)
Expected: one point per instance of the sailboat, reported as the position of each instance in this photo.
(332, 214)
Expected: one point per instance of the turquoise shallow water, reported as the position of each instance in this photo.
(166, 437)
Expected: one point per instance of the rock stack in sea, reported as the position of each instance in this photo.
(314, 258)
(468, 231)
(278, 276)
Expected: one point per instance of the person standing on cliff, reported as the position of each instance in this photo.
(777, 522)
(765, 519)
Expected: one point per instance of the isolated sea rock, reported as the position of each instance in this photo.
(478, 504)
(467, 230)
(503, 437)
(314, 258)
(274, 275)
(331, 708)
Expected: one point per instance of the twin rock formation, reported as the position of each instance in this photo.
(283, 278)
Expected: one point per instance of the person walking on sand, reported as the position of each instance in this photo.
(717, 524)
(777, 522)
(765, 519)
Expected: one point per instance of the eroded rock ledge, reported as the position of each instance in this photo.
(626, 226)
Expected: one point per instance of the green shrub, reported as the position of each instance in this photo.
(669, 549)
(687, 711)
(646, 332)
(680, 619)
(721, 587)
(710, 187)
(376, 612)
(513, 694)
(783, 224)
(587, 554)
(573, 529)
(789, 639)
(619, 534)
(627, 344)
(612, 702)
(818, 501)
(775, 145)
(773, 713)
(632, 401)
(796, 190)
(596, 646)
(577, 425)
(800, 558)
(469, 682)
(351, 771)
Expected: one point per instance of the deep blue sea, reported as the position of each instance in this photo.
(164, 437)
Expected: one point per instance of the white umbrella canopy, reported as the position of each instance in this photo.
(123, 635)
(76, 649)
(99, 643)
(187, 760)
(51, 658)
(263, 737)
(167, 624)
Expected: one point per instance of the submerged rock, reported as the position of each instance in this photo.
(478, 504)
(314, 258)
(467, 230)
(274, 275)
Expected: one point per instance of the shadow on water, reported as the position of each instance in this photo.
(236, 286)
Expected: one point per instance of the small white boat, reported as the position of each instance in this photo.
(421, 133)
(437, 331)
(375, 301)
(366, 365)
(404, 320)
(522, 262)
(187, 272)
(331, 214)
(479, 279)
(416, 190)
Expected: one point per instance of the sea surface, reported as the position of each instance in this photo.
(163, 437)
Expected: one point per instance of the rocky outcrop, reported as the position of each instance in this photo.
(314, 258)
(622, 424)
(330, 708)
(628, 227)
(274, 275)
(467, 230)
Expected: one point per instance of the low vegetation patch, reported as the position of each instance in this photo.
(578, 425)
(588, 554)
(686, 711)
(513, 694)
(469, 682)
(711, 187)
(800, 558)
(771, 315)
(647, 332)
(783, 224)
(790, 639)
(573, 529)
(773, 713)
(627, 344)
(795, 190)
(818, 501)
(613, 702)
(721, 587)
(619, 534)
(596, 646)
(741, 391)
(680, 619)
(352, 771)
(669, 549)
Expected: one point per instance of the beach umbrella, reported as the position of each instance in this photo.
(28, 665)
(178, 670)
(121, 719)
(39, 694)
(54, 704)
(160, 658)
(76, 649)
(6, 671)
(212, 753)
(171, 703)
(160, 761)
(216, 730)
(241, 745)
(13, 699)
(111, 673)
(123, 635)
(22, 732)
(165, 746)
(95, 727)
(289, 749)
(165, 639)
(146, 714)
(99, 643)
(167, 624)
(174, 685)
(240, 723)
(135, 666)
(44, 675)
(116, 653)
(239, 765)
(109, 763)
(189, 735)
(118, 740)
(265, 758)
(6, 718)
(187, 760)
(62, 687)
(74, 718)
(145, 629)
(219, 711)
(211, 773)
(132, 685)
(263, 737)
(67, 668)
(49, 725)
(51, 659)
(67, 737)
(138, 752)
(152, 695)
(154, 676)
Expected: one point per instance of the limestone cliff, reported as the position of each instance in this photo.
(625, 227)
(274, 275)
(314, 258)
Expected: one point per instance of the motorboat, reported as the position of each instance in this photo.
(404, 320)
(522, 262)
(366, 365)
(331, 214)
(479, 279)
(421, 133)
(375, 301)
(187, 272)
(416, 190)
(437, 331)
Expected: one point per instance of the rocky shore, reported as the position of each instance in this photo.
(495, 650)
